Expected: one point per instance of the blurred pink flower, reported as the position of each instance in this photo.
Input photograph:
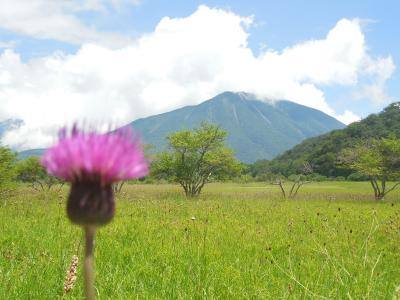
(90, 156)
(92, 162)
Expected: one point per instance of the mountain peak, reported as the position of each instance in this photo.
(232, 96)
(256, 129)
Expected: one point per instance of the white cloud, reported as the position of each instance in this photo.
(104, 5)
(7, 44)
(183, 61)
(49, 19)
(379, 71)
(348, 117)
(333, 60)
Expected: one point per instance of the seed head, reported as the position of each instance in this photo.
(70, 279)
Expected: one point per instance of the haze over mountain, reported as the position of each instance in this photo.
(256, 129)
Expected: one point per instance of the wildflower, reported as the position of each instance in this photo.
(92, 162)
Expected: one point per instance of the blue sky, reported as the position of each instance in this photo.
(65, 51)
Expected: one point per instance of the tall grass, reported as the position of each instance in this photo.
(235, 242)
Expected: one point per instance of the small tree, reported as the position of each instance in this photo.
(377, 159)
(30, 170)
(194, 157)
(297, 181)
(7, 170)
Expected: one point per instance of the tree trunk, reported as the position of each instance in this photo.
(379, 191)
(192, 190)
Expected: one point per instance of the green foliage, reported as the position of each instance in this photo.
(260, 170)
(357, 177)
(317, 177)
(196, 157)
(244, 178)
(31, 171)
(322, 151)
(7, 170)
(265, 170)
(377, 159)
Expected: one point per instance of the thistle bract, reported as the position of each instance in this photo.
(92, 162)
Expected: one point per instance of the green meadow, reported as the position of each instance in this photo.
(237, 241)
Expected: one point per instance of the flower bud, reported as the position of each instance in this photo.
(90, 203)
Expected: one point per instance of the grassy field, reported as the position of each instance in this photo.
(235, 242)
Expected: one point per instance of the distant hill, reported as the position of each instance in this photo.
(31, 152)
(256, 129)
(322, 151)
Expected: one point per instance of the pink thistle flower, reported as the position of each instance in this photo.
(92, 162)
(106, 157)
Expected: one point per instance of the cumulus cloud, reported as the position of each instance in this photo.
(379, 71)
(183, 61)
(49, 19)
(348, 117)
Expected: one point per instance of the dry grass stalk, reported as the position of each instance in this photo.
(70, 279)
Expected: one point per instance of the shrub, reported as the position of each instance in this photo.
(357, 177)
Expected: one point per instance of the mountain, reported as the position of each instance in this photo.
(256, 129)
(31, 152)
(321, 151)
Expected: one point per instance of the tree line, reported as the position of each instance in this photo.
(29, 171)
(196, 157)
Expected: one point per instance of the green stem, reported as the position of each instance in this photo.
(90, 232)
